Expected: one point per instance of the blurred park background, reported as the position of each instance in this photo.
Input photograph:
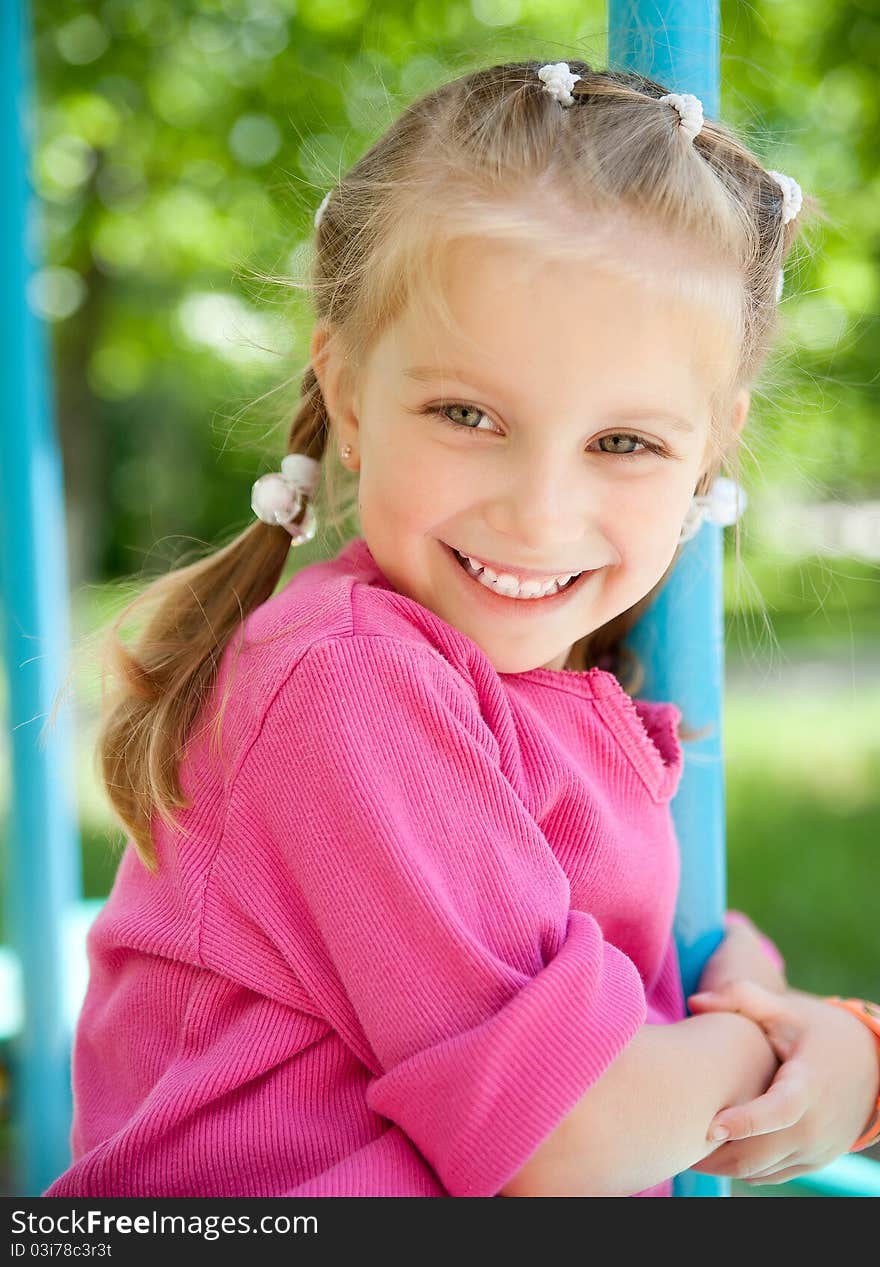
(180, 150)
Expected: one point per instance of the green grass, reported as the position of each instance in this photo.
(803, 812)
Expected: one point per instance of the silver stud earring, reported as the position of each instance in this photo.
(346, 452)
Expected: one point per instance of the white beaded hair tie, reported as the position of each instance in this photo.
(792, 201)
(277, 498)
(319, 214)
(558, 80)
(722, 505)
(792, 197)
(690, 108)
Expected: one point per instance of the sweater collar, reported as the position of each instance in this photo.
(595, 682)
(647, 730)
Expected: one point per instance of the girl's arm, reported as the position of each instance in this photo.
(745, 954)
(647, 1117)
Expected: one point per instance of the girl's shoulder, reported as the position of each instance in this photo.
(347, 604)
(349, 596)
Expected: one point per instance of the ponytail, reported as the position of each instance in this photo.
(162, 682)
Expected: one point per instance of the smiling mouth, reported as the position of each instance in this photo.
(466, 567)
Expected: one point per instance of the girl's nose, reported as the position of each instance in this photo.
(545, 508)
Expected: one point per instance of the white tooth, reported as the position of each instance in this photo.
(507, 578)
(506, 583)
(519, 592)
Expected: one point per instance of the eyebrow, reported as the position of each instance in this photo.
(639, 413)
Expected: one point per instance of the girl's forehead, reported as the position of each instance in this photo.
(512, 311)
(640, 267)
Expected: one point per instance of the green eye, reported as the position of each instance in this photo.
(445, 414)
(445, 410)
(625, 439)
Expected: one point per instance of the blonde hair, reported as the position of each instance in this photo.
(489, 154)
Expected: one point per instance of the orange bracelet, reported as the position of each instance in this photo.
(868, 1014)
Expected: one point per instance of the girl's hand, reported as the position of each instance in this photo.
(821, 1099)
(740, 957)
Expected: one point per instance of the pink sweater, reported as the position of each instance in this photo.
(418, 908)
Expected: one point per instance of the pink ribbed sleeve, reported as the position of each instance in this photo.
(423, 909)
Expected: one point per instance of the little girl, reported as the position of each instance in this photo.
(410, 933)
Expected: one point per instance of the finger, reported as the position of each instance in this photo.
(783, 1176)
(738, 996)
(765, 1007)
(742, 1161)
(782, 1163)
(783, 1104)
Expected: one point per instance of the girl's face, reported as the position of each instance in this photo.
(563, 430)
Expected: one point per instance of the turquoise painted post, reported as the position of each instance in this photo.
(43, 847)
(679, 639)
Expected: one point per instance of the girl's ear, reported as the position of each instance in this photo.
(328, 360)
(739, 413)
(742, 401)
(324, 362)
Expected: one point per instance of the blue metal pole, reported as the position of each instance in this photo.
(43, 847)
(680, 639)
